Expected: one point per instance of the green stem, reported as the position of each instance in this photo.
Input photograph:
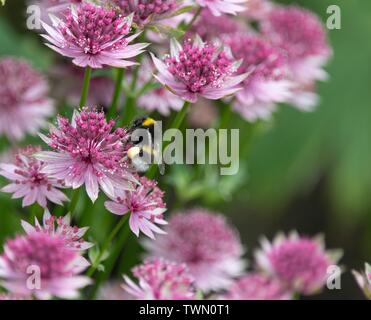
(74, 201)
(111, 261)
(225, 116)
(85, 86)
(180, 116)
(106, 244)
(117, 92)
(197, 14)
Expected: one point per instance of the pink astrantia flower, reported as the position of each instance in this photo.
(47, 256)
(157, 99)
(198, 69)
(148, 11)
(364, 280)
(60, 226)
(206, 244)
(256, 286)
(160, 280)
(29, 182)
(299, 262)
(94, 36)
(267, 83)
(219, 7)
(112, 290)
(144, 204)
(23, 96)
(87, 151)
(302, 36)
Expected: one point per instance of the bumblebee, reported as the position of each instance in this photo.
(146, 150)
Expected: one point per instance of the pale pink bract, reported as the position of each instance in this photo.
(219, 7)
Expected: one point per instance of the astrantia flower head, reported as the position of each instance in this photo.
(267, 83)
(206, 244)
(299, 262)
(87, 151)
(256, 286)
(160, 280)
(94, 36)
(198, 69)
(60, 226)
(157, 99)
(23, 96)
(302, 36)
(219, 7)
(144, 204)
(364, 280)
(46, 256)
(29, 182)
(147, 11)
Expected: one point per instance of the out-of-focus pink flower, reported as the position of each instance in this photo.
(144, 204)
(257, 286)
(23, 96)
(298, 262)
(55, 267)
(94, 36)
(219, 7)
(160, 280)
(364, 280)
(29, 182)
(204, 241)
(12, 297)
(302, 36)
(60, 226)
(87, 151)
(267, 83)
(198, 69)
(209, 27)
(157, 99)
(148, 11)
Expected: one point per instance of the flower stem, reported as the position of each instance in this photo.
(225, 115)
(85, 86)
(178, 120)
(197, 14)
(74, 201)
(117, 92)
(106, 244)
(111, 261)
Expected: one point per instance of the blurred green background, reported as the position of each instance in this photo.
(307, 171)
